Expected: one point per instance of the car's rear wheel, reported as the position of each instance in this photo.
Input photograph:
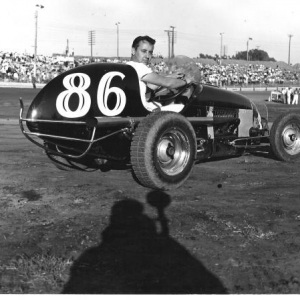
(163, 150)
(285, 137)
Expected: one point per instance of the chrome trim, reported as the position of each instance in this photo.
(202, 120)
(112, 121)
(51, 121)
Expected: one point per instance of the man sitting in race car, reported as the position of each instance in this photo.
(141, 54)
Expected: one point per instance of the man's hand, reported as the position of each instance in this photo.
(187, 77)
(176, 75)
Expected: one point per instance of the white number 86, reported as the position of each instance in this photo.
(84, 104)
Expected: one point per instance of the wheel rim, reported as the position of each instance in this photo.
(291, 139)
(173, 152)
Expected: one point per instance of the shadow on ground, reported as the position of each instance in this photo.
(134, 258)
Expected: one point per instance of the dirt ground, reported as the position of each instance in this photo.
(233, 227)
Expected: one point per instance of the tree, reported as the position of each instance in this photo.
(254, 54)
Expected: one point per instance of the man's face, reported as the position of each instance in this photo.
(143, 53)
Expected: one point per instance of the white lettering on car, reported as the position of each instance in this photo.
(84, 98)
(84, 104)
(103, 92)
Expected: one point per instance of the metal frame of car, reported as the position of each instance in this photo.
(94, 123)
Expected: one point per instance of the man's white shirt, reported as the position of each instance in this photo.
(142, 70)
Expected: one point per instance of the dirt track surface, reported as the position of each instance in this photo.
(232, 228)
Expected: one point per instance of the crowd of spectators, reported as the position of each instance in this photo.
(236, 74)
(20, 68)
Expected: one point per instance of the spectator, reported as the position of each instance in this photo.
(295, 97)
(16, 76)
(284, 95)
(33, 81)
(289, 94)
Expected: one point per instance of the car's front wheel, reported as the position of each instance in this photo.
(163, 150)
(285, 137)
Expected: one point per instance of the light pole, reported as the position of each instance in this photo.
(249, 39)
(221, 46)
(35, 44)
(118, 39)
(290, 36)
(92, 42)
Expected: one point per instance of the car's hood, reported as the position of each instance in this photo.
(218, 97)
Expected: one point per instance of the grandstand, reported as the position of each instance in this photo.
(16, 67)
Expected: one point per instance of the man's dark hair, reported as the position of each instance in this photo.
(137, 40)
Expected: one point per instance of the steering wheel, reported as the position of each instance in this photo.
(158, 95)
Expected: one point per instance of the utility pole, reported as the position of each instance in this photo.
(67, 48)
(249, 39)
(35, 43)
(168, 33)
(173, 41)
(290, 36)
(91, 39)
(225, 50)
(221, 46)
(118, 39)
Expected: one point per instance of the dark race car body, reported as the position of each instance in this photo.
(94, 115)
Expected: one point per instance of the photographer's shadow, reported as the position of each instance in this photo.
(134, 258)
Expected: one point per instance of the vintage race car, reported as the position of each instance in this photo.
(94, 116)
(276, 96)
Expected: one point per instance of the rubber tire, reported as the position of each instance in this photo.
(282, 147)
(147, 150)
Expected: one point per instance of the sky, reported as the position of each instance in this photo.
(200, 26)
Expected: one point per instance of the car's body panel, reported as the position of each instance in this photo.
(217, 97)
(58, 100)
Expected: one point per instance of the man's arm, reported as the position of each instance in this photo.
(159, 80)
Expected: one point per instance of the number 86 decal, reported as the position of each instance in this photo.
(84, 104)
